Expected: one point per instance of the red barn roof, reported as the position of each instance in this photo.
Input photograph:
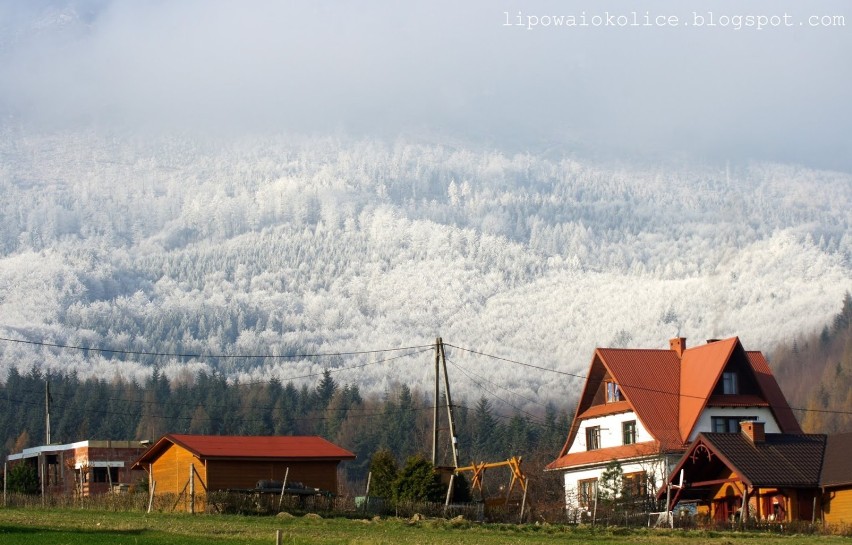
(283, 447)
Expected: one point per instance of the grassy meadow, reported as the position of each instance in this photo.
(84, 527)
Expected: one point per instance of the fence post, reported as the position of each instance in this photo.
(4, 483)
(367, 492)
(277, 537)
(151, 496)
(283, 487)
(192, 488)
(449, 493)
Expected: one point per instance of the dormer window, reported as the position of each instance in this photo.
(730, 384)
(613, 392)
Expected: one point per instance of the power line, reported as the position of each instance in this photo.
(495, 396)
(248, 383)
(634, 386)
(208, 356)
(420, 348)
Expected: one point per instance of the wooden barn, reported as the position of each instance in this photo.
(836, 480)
(221, 463)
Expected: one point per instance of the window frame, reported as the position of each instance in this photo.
(732, 423)
(593, 437)
(628, 431)
(586, 492)
(730, 383)
(613, 392)
(635, 484)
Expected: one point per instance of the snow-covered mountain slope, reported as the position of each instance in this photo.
(295, 245)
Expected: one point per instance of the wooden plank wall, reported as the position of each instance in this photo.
(837, 506)
(171, 471)
(225, 475)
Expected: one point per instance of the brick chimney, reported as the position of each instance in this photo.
(678, 344)
(754, 430)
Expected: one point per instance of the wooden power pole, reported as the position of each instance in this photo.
(441, 360)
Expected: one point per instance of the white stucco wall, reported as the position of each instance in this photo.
(610, 431)
(705, 423)
(656, 467)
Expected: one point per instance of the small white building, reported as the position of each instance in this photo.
(643, 407)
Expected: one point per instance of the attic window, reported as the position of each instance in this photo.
(613, 392)
(728, 424)
(730, 384)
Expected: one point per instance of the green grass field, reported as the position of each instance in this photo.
(84, 527)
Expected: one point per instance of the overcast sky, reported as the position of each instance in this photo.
(447, 67)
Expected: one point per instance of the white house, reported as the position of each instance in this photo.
(643, 407)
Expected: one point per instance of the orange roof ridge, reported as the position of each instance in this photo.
(599, 456)
(701, 367)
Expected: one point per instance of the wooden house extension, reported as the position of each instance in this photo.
(766, 476)
(221, 463)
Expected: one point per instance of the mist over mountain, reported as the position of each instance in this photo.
(288, 245)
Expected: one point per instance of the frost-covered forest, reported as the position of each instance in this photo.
(279, 247)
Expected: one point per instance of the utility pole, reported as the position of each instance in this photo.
(47, 410)
(441, 360)
(454, 440)
(437, 401)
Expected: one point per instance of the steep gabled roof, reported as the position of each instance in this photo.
(781, 460)
(772, 393)
(700, 370)
(234, 447)
(648, 382)
(668, 391)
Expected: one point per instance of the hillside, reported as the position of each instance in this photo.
(289, 245)
(815, 371)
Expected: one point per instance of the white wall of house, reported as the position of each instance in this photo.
(610, 431)
(705, 422)
(656, 467)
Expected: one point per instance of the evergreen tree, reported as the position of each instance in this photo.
(384, 471)
(325, 390)
(486, 432)
(418, 482)
(611, 482)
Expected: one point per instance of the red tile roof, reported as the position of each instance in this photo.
(700, 369)
(668, 392)
(604, 455)
(772, 392)
(607, 408)
(250, 447)
(648, 381)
